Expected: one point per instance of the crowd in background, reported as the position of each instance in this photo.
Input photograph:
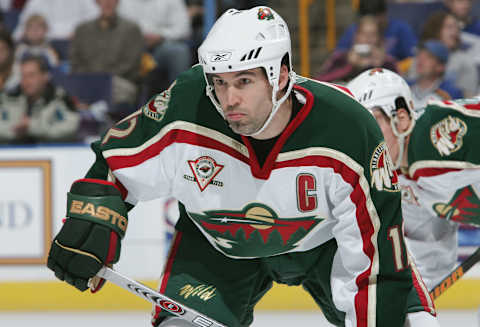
(440, 57)
(67, 72)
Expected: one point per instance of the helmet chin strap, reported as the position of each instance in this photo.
(276, 103)
(401, 139)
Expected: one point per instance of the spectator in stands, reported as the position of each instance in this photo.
(40, 112)
(400, 40)
(430, 62)
(196, 14)
(9, 73)
(62, 16)
(462, 10)
(12, 4)
(110, 44)
(461, 67)
(367, 52)
(166, 27)
(34, 41)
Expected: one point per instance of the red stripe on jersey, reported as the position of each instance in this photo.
(429, 172)
(123, 189)
(473, 106)
(343, 88)
(364, 222)
(173, 136)
(168, 269)
(97, 181)
(421, 294)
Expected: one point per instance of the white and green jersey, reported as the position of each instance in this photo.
(443, 181)
(329, 176)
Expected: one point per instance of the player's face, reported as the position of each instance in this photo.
(390, 138)
(245, 98)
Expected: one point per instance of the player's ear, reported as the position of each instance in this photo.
(402, 112)
(403, 120)
(283, 79)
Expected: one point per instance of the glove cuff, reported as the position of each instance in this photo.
(100, 203)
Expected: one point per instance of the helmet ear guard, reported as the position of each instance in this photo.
(247, 39)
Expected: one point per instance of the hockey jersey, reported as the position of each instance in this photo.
(328, 176)
(443, 181)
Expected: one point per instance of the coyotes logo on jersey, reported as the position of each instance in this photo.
(383, 176)
(447, 135)
(255, 230)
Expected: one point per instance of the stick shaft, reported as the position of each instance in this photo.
(457, 273)
(163, 301)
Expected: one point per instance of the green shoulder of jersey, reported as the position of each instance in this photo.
(338, 122)
(447, 131)
(184, 103)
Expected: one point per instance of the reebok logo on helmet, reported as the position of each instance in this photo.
(220, 56)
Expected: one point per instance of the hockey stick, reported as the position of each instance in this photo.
(163, 301)
(452, 278)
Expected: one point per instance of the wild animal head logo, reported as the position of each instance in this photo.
(447, 135)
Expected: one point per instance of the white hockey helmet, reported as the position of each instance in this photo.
(384, 89)
(246, 39)
(380, 87)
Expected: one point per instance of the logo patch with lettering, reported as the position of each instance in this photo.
(383, 176)
(157, 107)
(204, 169)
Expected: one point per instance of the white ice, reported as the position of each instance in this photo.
(468, 318)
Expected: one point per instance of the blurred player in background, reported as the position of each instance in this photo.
(438, 158)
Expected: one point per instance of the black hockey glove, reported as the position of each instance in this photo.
(90, 237)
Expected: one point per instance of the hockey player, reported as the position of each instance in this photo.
(270, 187)
(439, 160)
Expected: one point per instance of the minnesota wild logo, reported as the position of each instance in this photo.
(383, 176)
(265, 14)
(204, 169)
(256, 230)
(464, 207)
(447, 135)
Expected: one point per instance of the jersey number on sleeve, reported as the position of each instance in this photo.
(395, 236)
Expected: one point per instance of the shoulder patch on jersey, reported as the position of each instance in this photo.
(157, 107)
(383, 176)
(447, 135)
